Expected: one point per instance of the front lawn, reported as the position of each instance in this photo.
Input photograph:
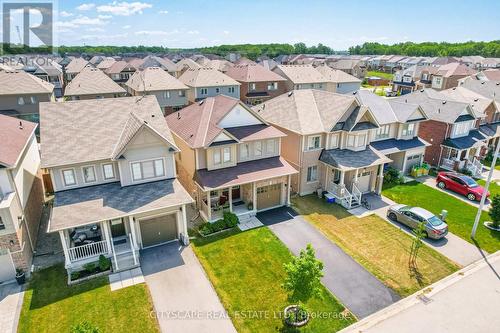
(246, 269)
(460, 215)
(50, 305)
(494, 188)
(382, 75)
(378, 246)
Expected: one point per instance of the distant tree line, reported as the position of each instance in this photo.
(252, 51)
(431, 49)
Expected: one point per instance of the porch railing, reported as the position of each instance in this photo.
(448, 164)
(356, 193)
(475, 167)
(88, 250)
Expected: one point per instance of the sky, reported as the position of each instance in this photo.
(335, 23)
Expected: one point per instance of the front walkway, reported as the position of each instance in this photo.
(466, 301)
(183, 297)
(11, 301)
(361, 292)
(452, 246)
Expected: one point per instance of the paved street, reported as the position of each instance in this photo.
(11, 300)
(467, 301)
(357, 289)
(183, 297)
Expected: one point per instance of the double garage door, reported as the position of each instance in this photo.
(268, 196)
(158, 230)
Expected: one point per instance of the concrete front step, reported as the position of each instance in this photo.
(125, 262)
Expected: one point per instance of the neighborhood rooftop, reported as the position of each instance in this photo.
(14, 136)
(92, 81)
(154, 79)
(206, 77)
(20, 82)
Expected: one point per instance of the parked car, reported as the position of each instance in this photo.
(460, 184)
(413, 216)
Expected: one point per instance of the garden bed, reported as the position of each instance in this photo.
(228, 222)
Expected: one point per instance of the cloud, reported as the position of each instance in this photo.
(65, 14)
(163, 12)
(104, 17)
(104, 36)
(225, 32)
(95, 30)
(124, 8)
(86, 6)
(79, 21)
(193, 32)
(154, 33)
(126, 26)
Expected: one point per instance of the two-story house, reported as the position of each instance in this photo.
(447, 76)
(230, 158)
(106, 64)
(52, 73)
(208, 82)
(92, 83)
(451, 129)
(170, 92)
(338, 81)
(74, 67)
(164, 63)
(397, 136)
(121, 71)
(186, 64)
(328, 140)
(21, 195)
(354, 67)
(257, 83)
(301, 77)
(405, 80)
(112, 165)
(21, 93)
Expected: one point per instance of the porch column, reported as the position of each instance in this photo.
(342, 175)
(107, 235)
(185, 241)
(356, 176)
(65, 248)
(132, 229)
(254, 195)
(209, 205)
(289, 184)
(380, 179)
(230, 191)
(403, 169)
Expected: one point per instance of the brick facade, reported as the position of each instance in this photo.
(434, 132)
(260, 87)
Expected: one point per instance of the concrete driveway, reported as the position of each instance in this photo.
(360, 291)
(183, 297)
(11, 300)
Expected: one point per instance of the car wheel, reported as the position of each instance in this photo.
(441, 185)
(471, 197)
(393, 217)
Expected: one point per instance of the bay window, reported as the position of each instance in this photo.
(408, 130)
(383, 132)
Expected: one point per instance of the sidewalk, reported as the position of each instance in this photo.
(11, 300)
(466, 301)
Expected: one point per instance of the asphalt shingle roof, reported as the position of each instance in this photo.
(14, 135)
(346, 159)
(92, 81)
(22, 83)
(465, 142)
(154, 79)
(391, 146)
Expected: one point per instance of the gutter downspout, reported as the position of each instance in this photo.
(441, 152)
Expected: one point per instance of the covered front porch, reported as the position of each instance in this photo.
(464, 153)
(351, 174)
(405, 154)
(245, 189)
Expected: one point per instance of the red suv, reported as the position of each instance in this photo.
(461, 184)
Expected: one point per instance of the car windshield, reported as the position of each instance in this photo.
(470, 182)
(434, 221)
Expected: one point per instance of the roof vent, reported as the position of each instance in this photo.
(201, 102)
(454, 88)
(482, 82)
(476, 99)
(354, 92)
(20, 125)
(290, 93)
(178, 115)
(444, 102)
(421, 90)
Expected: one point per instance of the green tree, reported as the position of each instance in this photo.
(495, 211)
(304, 275)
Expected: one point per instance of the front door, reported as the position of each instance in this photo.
(117, 228)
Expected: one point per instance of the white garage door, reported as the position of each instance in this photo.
(364, 181)
(411, 161)
(7, 271)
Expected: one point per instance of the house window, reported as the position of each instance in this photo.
(217, 159)
(253, 86)
(361, 140)
(314, 142)
(350, 140)
(231, 90)
(2, 225)
(166, 94)
(108, 171)
(147, 169)
(382, 132)
(258, 148)
(408, 130)
(89, 174)
(334, 141)
(462, 128)
(270, 147)
(33, 99)
(69, 177)
(312, 173)
(356, 141)
(204, 91)
(298, 86)
(217, 90)
(272, 86)
(182, 93)
(20, 100)
(244, 150)
(227, 154)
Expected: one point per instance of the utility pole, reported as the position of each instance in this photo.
(486, 186)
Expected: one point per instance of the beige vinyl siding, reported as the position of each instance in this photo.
(58, 181)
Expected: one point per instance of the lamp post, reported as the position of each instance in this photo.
(486, 186)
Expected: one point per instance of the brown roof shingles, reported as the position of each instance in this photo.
(14, 135)
(252, 73)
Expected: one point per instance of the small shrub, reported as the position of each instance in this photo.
(74, 275)
(104, 263)
(231, 219)
(85, 327)
(392, 176)
(90, 267)
(205, 229)
(495, 211)
(466, 172)
(218, 225)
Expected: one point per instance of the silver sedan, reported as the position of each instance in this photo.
(413, 216)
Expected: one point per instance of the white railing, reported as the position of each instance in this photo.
(475, 167)
(448, 164)
(88, 250)
(133, 248)
(338, 190)
(356, 193)
(114, 255)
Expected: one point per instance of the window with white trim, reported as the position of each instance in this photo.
(33, 99)
(383, 132)
(270, 146)
(258, 148)
(147, 169)
(408, 130)
(272, 86)
(244, 150)
(20, 101)
(334, 141)
(108, 171)
(89, 174)
(182, 93)
(166, 94)
(314, 142)
(312, 173)
(69, 177)
(217, 90)
(226, 154)
(231, 90)
(253, 86)
(217, 157)
(2, 225)
(462, 128)
(204, 91)
(356, 141)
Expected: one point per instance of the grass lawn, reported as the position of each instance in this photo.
(494, 188)
(246, 269)
(382, 75)
(460, 215)
(50, 305)
(380, 247)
